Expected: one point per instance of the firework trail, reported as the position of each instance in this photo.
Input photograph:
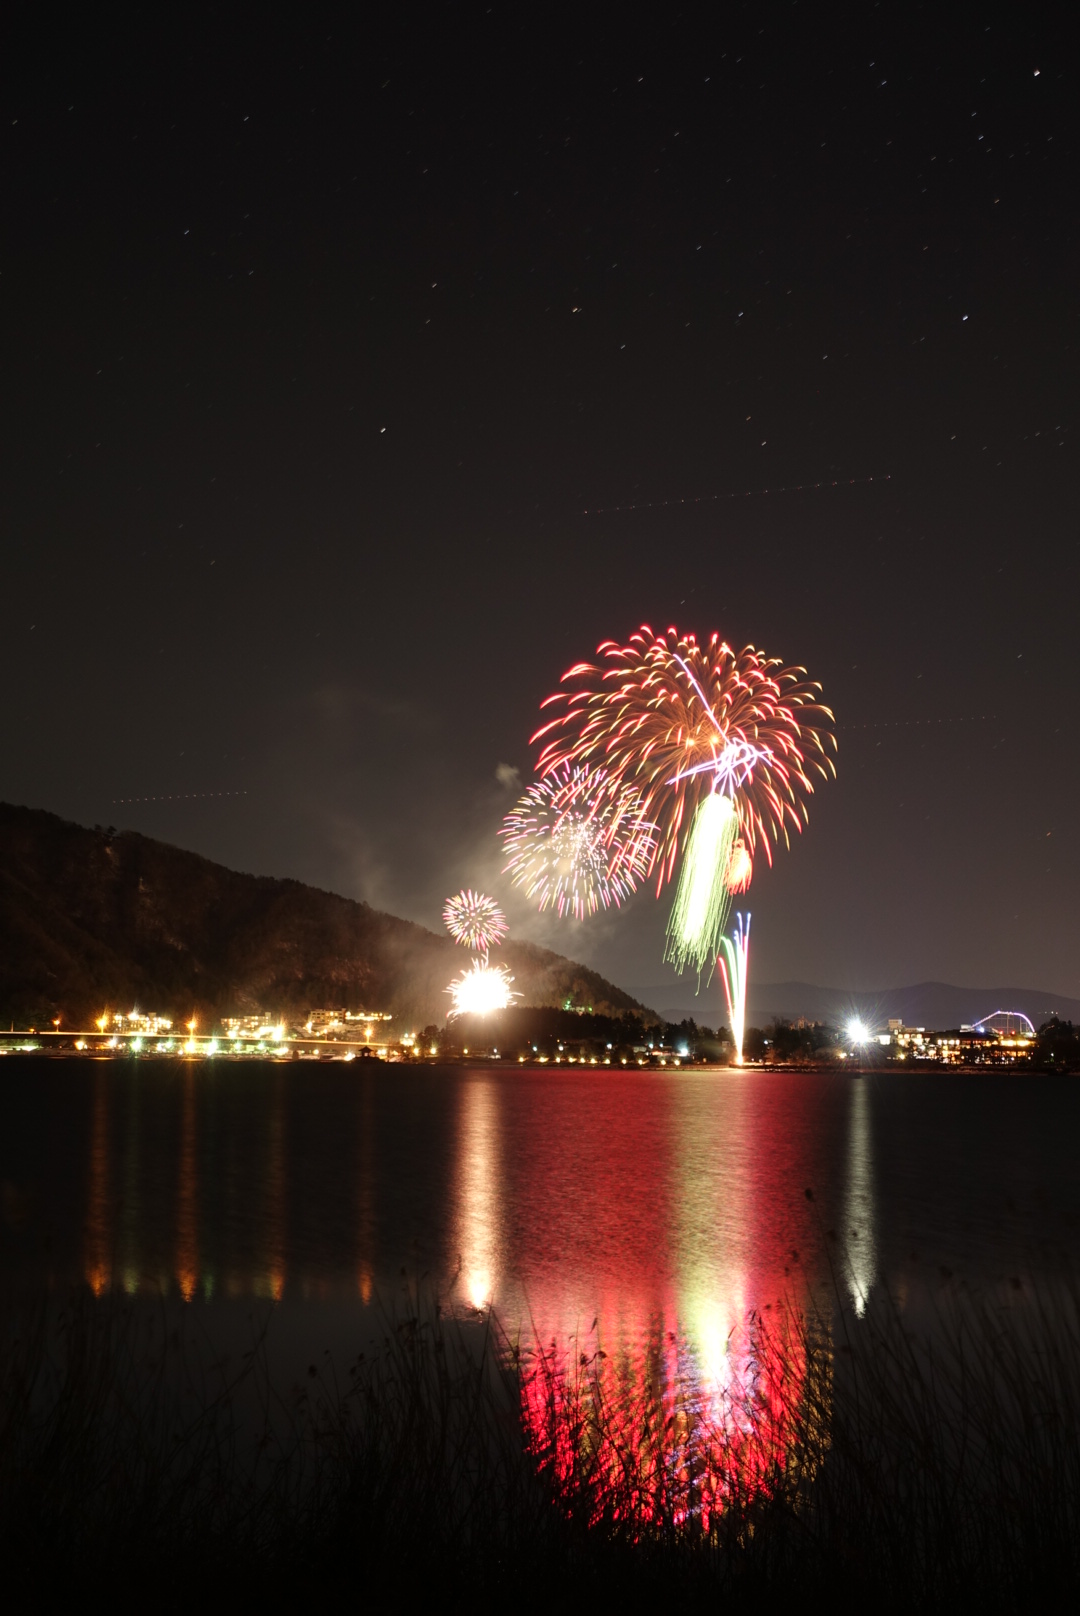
(577, 843)
(699, 912)
(481, 989)
(683, 723)
(734, 962)
(475, 920)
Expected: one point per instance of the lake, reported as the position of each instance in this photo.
(560, 1195)
(662, 1228)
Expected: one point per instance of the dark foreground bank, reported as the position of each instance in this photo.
(932, 1468)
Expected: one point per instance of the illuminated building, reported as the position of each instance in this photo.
(140, 1023)
(260, 1026)
(344, 1024)
(1006, 1038)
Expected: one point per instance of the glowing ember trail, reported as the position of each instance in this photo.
(740, 871)
(575, 845)
(734, 962)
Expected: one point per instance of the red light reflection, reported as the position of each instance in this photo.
(653, 1432)
(690, 1386)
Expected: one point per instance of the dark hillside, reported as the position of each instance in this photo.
(91, 920)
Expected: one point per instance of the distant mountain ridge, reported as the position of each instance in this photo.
(938, 1005)
(93, 920)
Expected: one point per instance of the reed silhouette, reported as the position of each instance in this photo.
(931, 1466)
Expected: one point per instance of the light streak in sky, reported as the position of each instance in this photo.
(921, 723)
(742, 493)
(734, 963)
(575, 845)
(482, 989)
(682, 723)
(181, 796)
(475, 920)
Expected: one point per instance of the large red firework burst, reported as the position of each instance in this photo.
(679, 720)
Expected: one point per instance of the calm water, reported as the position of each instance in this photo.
(562, 1194)
(661, 1216)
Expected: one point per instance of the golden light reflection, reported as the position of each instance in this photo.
(478, 1211)
(365, 1192)
(187, 1195)
(272, 1283)
(131, 1206)
(98, 1255)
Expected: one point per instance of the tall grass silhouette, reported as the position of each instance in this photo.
(926, 1467)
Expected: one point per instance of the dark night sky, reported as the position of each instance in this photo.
(318, 339)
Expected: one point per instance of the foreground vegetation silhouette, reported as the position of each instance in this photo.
(932, 1467)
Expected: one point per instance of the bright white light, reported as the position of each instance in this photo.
(481, 989)
(857, 1031)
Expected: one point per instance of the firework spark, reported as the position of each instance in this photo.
(684, 723)
(740, 870)
(482, 989)
(734, 963)
(576, 844)
(475, 920)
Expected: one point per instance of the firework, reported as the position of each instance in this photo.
(482, 989)
(682, 724)
(734, 962)
(699, 912)
(575, 844)
(679, 721)
(475, 920)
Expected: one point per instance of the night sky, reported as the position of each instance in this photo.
(321, 338)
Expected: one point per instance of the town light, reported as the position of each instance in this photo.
(857, 1031)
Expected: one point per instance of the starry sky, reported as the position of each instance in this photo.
(363, 373)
